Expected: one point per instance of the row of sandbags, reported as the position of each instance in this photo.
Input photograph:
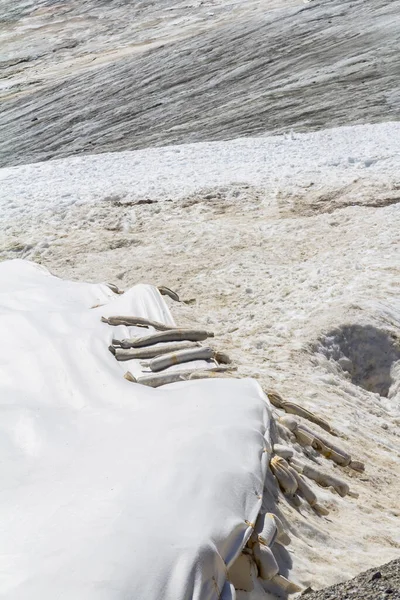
(167, 347)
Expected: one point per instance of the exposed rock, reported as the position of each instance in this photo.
(370, 585)
(147, 81)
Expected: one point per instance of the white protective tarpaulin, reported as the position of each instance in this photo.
(111, 490)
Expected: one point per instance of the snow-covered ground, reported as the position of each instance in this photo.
(288, 248)
(293, 168)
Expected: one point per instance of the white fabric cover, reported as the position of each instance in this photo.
(111, 490)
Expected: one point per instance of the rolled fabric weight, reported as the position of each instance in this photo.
(303, 437)
(240, 573)
(288, 587)
(122, 354)
(283, 451)
(159, 363)
(295, 409)
(357, 465)
(172, 335)
(326, 447)
(289, 422)
(275, 398)
(136, 322)
(266, 529)
(114, 288)
(280, 469)
(282, 537)
(284, 433)
(322, 478)
(265, 561)
(129, 377)
(165, 291)
(307, 436)
(332, 452)
(222, 357)
(304, 488)
(160, 379)
(221, 373)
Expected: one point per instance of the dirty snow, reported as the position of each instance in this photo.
(288, 248)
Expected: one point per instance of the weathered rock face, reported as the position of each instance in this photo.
(372, 585)
(96, 77)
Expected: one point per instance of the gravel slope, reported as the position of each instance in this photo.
(375, 584)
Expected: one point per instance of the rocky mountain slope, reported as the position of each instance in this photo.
(375, 584)
(85, 77)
